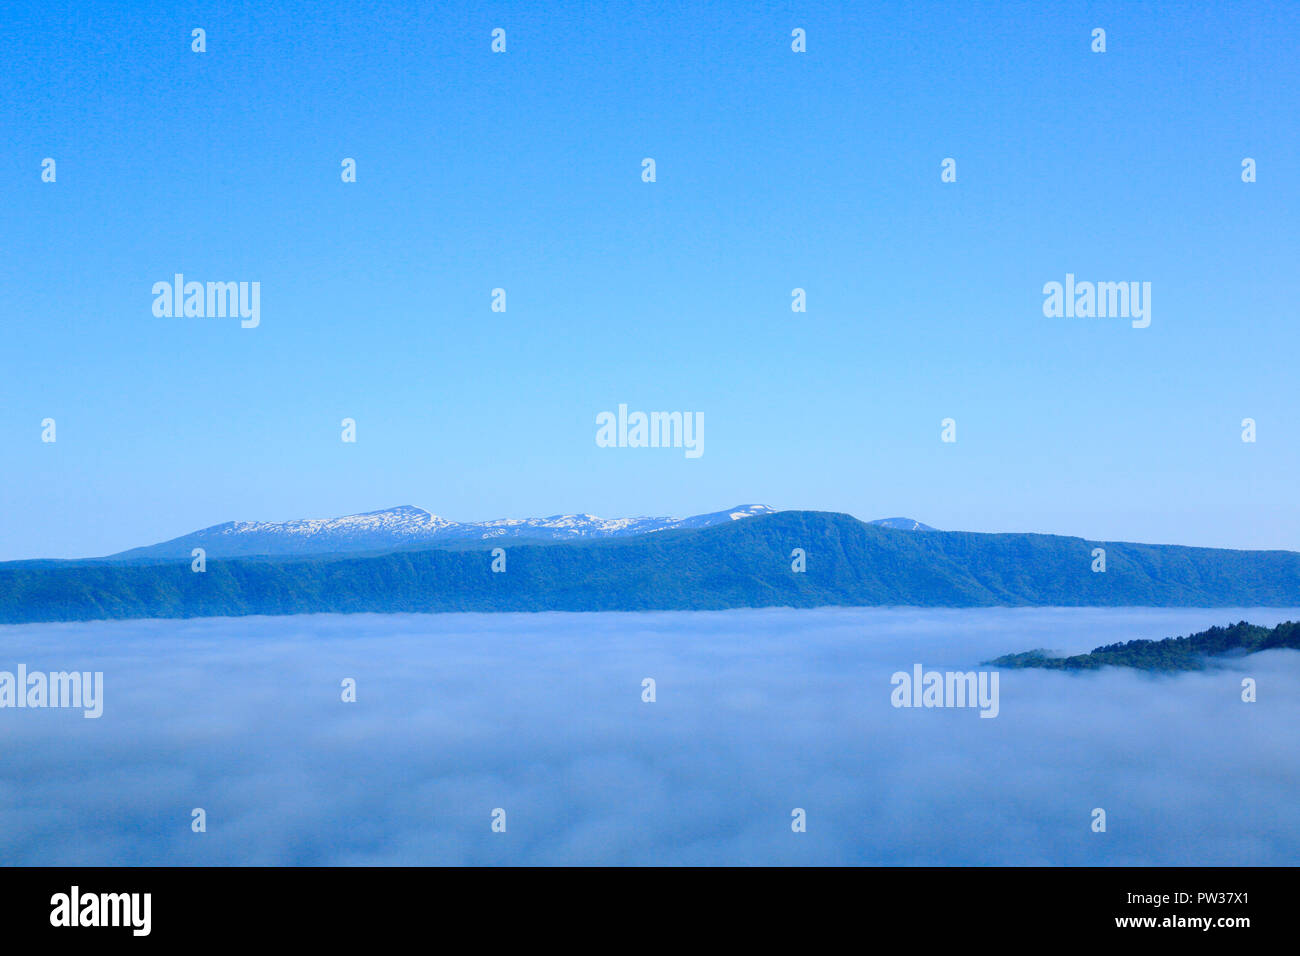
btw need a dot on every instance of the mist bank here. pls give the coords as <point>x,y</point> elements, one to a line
<point>757,712</point>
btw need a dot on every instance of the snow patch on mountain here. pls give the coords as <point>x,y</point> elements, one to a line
<point>407,525</point>
<point>901,524</point>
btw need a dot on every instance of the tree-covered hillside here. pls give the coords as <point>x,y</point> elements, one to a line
<point>740,564</point>
<point>1171,654</point>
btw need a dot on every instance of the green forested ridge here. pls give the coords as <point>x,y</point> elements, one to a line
<point>1171,654</point>
<point>741,564</point>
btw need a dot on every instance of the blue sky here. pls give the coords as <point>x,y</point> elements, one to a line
<point>775,170</point>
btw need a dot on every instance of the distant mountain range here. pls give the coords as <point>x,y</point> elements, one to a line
<point>726,564</point>
<point>408,527</point>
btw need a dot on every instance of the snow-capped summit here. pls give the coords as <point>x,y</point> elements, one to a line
<point>901,524</point>
<point>406,526</point>
<point>404,520</point>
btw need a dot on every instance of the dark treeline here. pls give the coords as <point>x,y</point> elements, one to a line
<point>1172,653</point>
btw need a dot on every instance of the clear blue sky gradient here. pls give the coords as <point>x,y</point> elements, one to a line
<point>775,170</point>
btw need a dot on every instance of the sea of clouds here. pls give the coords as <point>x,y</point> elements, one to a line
<point>757,712</point>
